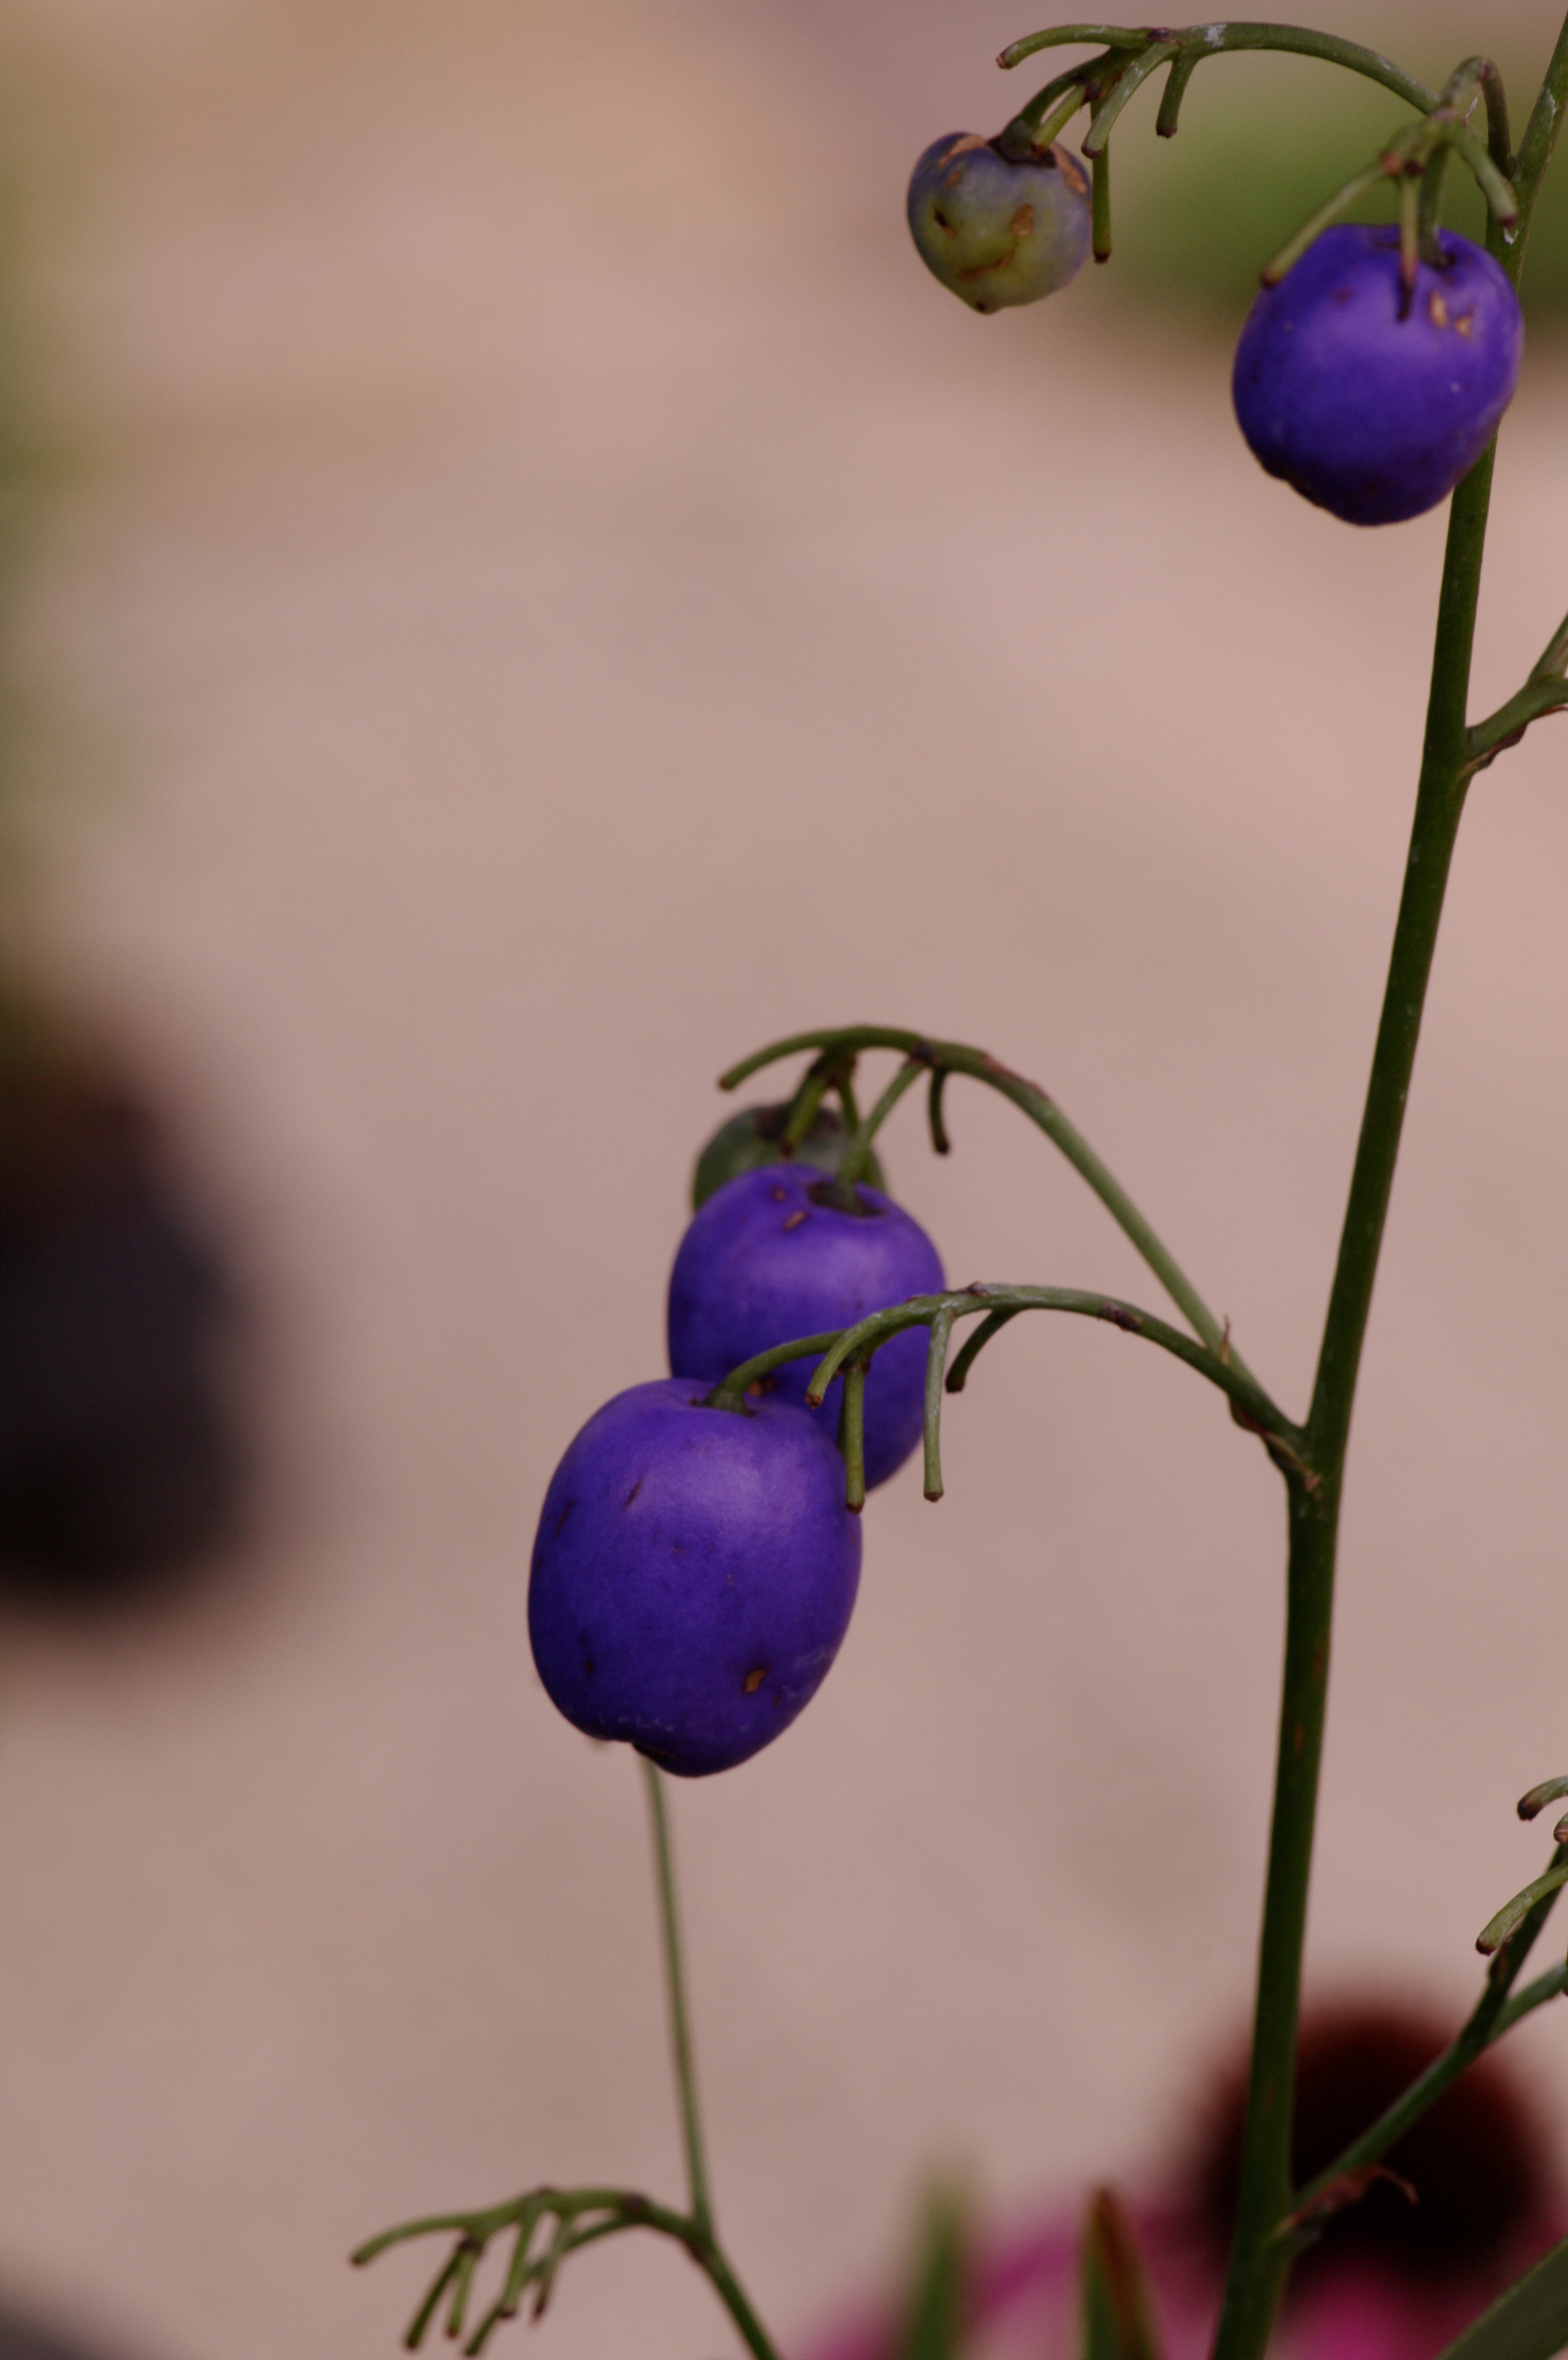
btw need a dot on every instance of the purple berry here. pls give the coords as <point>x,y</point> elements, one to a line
<point>1372,408</point>
<point>771,1257</point>
<point>694,1574</point>
<point>995,230</point>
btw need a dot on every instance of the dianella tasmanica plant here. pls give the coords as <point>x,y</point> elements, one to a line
<point>699,1547</point>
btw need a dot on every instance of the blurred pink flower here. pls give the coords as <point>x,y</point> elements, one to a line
<point>1385,2282</point>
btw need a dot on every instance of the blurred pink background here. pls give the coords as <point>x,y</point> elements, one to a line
<point>546,596</point>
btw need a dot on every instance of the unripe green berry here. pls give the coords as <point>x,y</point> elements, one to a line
<point>997,230</point>
<point>755,1136</point>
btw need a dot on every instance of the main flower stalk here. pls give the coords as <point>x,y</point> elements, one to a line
<point>1263,2246</point>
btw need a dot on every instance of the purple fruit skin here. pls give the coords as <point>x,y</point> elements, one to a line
<point>681,1552</point>
<point>763,1262</point>
<point>1369,415</point>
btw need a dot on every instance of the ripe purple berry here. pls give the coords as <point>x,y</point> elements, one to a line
<point>1369,405</point>
<point>995,230</point>
<point>771,1257</point>
<point>694,1574</point>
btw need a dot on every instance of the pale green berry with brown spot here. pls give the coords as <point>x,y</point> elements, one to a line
<point>996,230</point>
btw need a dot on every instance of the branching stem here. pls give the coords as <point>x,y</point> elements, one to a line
<point>856,1345</point>
<point>1260,2258</point>
<point>1495,2013</point>
<point>956,1057</point>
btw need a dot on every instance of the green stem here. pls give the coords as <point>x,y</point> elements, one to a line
<point>727,2286</point>
<point>680,2026</point>
<point>1494,2014</point>
<point>1213,40</point>
<point>857,1154</point>
<point>957,1058</point>
<point>1260,2259</point>
<point>831,1349</point>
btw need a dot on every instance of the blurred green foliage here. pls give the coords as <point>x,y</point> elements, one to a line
<point>932,2313</point>
<point>1262,142</point>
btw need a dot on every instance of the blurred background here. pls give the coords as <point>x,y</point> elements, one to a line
<point>517,589</point>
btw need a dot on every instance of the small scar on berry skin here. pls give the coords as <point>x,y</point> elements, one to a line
<point>561,1519</point>
<point>1023,221</point>
<point>778,1194</point>
<point>1073,173</point>
<point>753,1679</point>
<point>635,1489</point>
<point>1437,310</point>
<point>941,218</point>
<point>587,1667</point>
<point>794,1221</point>
<point>965,145</point>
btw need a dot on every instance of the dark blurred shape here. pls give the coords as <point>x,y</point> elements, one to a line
<point>23,2339</point>
<point>120,1459</point>
<point>754,1138</point>
<point>1478,2160</point>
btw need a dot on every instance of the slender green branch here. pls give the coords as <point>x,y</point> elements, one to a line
<point>852,1435</point>
<point>1099,206</point>
<point>1199,41</point>
<point>1064,37</point>
<point>581,2216</point>
<point>1289,254</point>
<point>858,1344</point>
<point>1184,65</point>
<point>575,2217</point>
<point>1512,1915</point>
<point>1494,2014</point>
<point>1550,1790</point>
<point>1553,658</point>
<point>1127,82</point>
<point>1504,727</point>
<point>936,1370</point>
<point>956,1057</point>
<point>1536,145</point>
<point>858,1153</point>
<point>815,1084</point>
<point>941,1143</point>
<point>676,1985</point>
<point>989,1327</point>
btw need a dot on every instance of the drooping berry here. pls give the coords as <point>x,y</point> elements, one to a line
<point>1371,405</point>
<point>998,229</point>
<point>771,1257</point>
<point>755,1136</point>
<point>694,1574</point>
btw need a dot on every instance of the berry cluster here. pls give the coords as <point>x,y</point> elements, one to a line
<point>1371,375</point>
<point>696,1563</point>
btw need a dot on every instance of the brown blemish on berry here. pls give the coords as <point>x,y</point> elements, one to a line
<point>635,1489</point>
<point>794,1221</point>
<point>1023,221</point>
<point>1464,324</point>
<point>759,1386</point>
<point>964,144</point>
<point>941,218</point>
<point>753,1680</point>
<point>1437,310</point>
<point>1071,170</point>
<point>777,1195</point>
